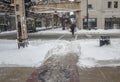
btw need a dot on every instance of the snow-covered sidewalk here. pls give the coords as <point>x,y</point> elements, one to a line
<point>90,56</point>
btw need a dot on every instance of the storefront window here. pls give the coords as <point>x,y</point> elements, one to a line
<point>111,23</point>
<point>92,23</point>
<point>2,20</point>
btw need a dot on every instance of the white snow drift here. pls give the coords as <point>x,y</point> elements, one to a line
<point>90,54</point>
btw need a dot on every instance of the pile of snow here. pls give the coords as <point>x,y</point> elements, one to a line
<point>8,32</point>
<point>60,31</point>
<point>98,31</point>
<point>63,52</point>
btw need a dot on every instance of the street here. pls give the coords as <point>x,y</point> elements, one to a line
<point>66,68</point>
<point>59,41</point>
<point>57,33</point>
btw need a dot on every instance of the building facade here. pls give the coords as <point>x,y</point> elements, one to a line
<point>102,14</point>
<point>7,18</point>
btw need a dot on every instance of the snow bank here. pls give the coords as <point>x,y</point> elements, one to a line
<point>63,52</point>
<point>8,32</point>
<point>98,31</point>
<point>60,31</point>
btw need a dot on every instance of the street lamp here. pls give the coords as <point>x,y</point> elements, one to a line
<point>87,12</point>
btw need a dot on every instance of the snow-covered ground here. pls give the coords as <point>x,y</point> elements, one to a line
<point>90,54</point>
<point>8,32</point>
<point>60,31</point>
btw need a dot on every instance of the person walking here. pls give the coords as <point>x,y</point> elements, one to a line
<point>72,27</point>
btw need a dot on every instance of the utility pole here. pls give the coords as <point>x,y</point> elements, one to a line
<point>22,37</point>
<point>87,15</point>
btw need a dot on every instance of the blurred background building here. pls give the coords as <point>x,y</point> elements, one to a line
<point>102,14</point>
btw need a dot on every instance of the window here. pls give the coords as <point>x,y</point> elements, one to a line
<point>17,7</point>
<point>109,4</point>
<point>12,1</point>
<point>18,17</point>
<point>90,6</point>
<point>2,20</point>
<point>115,4</point>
